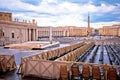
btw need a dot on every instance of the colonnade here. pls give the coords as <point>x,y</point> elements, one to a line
<point>32,34</point>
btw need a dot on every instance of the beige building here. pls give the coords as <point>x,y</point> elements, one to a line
<point>74,31</point>
<point>5,16</point>
<point>56,31</point>
<point>119,32</point>
<point>62,31</point>
<point>113,30</point>
<point>14,31</point>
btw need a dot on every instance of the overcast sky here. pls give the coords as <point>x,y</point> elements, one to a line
<point>65,12</point>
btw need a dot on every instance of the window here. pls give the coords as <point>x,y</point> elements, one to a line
<point>13,35</point>
<point>9,16</point>
<point>3,33</point>
<point>0,14</point>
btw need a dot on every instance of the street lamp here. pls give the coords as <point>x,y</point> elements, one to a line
<point>50,36</point>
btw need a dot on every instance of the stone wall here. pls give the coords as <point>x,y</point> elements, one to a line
<point>16,32</point>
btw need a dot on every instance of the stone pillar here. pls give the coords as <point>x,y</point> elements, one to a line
<point>26,35</point>
<point>36,34</point>
<point>32,34</point>
<point>29,34</point>
<point>67,32</point>
<point>64,33</point>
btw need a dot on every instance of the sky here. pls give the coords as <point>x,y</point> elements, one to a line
<point>64,12</point>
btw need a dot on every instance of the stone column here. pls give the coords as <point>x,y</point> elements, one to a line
<point>34,34</point>
<point>29,34</point>
<point>26,35</point>
<point>37,34</point>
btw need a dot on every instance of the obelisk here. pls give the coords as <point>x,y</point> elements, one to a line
<point>88,29</point>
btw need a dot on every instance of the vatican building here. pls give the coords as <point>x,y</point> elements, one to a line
<point>14,31</point>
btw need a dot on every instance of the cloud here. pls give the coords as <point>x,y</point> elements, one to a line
<point>59,12</point>
<point>16,5</point>
<point>106,8</point>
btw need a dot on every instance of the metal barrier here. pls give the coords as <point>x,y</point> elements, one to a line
<point>7,62</point>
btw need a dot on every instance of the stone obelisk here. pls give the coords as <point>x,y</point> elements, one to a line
<point>88,29</point>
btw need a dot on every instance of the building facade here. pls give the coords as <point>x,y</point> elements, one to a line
<point>14,31</point>
<point>5,16</point>
<point>62,31</point>
<point>113,30</point>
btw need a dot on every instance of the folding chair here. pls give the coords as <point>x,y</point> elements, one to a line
<point>63,72</point>
<point>112,74</point>
<point>86,71</point>
<point>75,72</point>
<point>96,73</point>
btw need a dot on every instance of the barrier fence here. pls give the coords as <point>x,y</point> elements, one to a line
<point>73,55</point>
<point>51,54</point>
<point>51,69</point>
<point>40,65</point>
<point>44,69</point>
<point>54,53</point>
<point>106,42</point>
<point>7,62</point>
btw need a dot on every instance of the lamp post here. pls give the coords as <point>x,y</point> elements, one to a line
<point>50,36</point>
